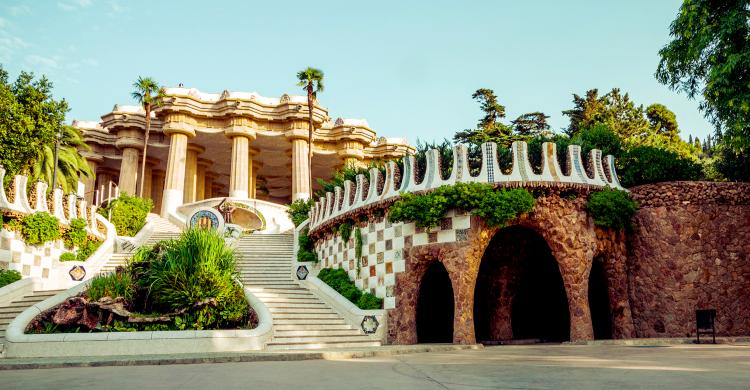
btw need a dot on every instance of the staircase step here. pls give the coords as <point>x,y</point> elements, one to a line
<point>324,323</point>
<point>282,339</point>
<point>302,316</point>
<point>294,346</point>
<point>283,311</point>
<point>331,327</point>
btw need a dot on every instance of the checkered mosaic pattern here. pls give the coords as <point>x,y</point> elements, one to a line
<point>29,260</point>
<point>383,246</point>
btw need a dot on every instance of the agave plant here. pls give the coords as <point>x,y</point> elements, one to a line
<point>71,166</point>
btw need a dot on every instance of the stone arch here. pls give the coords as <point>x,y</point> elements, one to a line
<point>435,306</point>
<point>456,258</point>
<point>519,293</point>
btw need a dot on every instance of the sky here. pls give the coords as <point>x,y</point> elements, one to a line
<point>408,67</point>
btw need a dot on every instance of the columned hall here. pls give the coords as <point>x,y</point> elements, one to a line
<point>236,144</point>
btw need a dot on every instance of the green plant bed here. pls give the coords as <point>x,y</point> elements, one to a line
<point>39,228</point>
<point>182,284</point>
<point>8,276</point>
<point>338,279</point>
<point>496,207</point>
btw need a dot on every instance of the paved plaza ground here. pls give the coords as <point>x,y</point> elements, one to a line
<point>503,367</point>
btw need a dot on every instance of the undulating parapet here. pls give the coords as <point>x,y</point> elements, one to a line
<point>375,188</point>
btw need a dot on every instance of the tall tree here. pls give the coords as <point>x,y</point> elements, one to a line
<point>662,120</point>
<point>147,93</point>
<point>614,109</point>
<point>311,80</point>
<point>493,111</point>
<point>489,129</point>
<point>30,119</point>
<point>531,124</point>
<point>709,55</point>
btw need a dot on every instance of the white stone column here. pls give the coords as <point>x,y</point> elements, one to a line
<point>174,183</point>
<point>238,180</point>
<point>129,170</point>
<point>191,173</point>
<point>157,188</point>
<point>148,179</point>
<point>200,189</point>
<point>300,170</point>
<point>89,183</point>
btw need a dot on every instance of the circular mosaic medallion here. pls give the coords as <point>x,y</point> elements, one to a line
<point>206,218</point>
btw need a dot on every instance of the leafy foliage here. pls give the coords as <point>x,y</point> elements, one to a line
<point>39,228</point>
<point>647,164</point>
<point>68,256</point>
<point>127,213</point>
<point>75,235</point>
<point>299,210</point>
<point>8,276</point>
<point>348,172</point>
<point>30,120</point>
<point>179,274</point>
<point>306,250</point>
<point>709,55</point>
<point>611,208</point>
<point>338,279</point>
<point>345,230</point>
<point>495,206</point>
<point>71,165</point>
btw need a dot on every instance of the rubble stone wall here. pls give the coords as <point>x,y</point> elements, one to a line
<point>690,249</point>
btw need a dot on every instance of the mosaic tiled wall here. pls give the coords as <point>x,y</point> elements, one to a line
<point>383,246</point>
<point>29,260</point>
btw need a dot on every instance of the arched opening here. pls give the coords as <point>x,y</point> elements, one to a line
<point>519,293</point>
<point>435,306</point>
<point>601,315</point>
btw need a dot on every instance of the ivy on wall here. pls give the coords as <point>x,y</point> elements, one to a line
<point>306,251</point>
<point>497,207</point>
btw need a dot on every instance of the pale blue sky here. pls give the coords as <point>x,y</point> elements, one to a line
<point>409,68</point>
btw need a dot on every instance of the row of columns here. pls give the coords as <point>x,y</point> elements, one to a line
<point>187,178</point>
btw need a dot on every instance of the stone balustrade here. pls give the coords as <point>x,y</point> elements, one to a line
<point>63,206</point>
<point>376,188</point>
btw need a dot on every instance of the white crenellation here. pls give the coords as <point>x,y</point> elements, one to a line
<point>365,190</point>
<point>57,203</point>
<point>72,209</point>
<point>41,196</point>
<point>22,199</point>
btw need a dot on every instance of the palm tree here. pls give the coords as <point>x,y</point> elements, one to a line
<point>71,165</point>
<point>148,94</point>
<point>311,80</point>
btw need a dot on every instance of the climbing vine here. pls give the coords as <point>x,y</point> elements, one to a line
<point>345,230</point>
<point>496,206</point>
<point>306,251</point>
<point>611,208</point>
<point>358,249</point>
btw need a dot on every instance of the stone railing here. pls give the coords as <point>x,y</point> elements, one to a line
<point>377,188</point>
<point>64,207</point>
<point>43,261</point>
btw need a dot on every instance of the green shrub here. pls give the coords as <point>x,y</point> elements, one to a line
<point>345,230</point>
<point>39,228</point>
<point>87,249</point>
<point>369,302</point>
<point>306,251</point>
<point>113,285</point>
<point>68,256</point>
<point>495,206</point>
<point>8,276</point>
<point>611,208</point>
<point>338,279</point>
<point>180,274</point>
<point>647,164</point>
<point>299,210</point>
<point>75,235</point>
<point>127,213</point>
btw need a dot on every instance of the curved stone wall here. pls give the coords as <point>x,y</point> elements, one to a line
<point>690,249</point>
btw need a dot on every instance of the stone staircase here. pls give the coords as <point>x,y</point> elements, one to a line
<point>162,230</point>
<point>13,309</point>
<point>301,320</point>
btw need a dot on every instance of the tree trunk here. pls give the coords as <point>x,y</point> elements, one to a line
<point>147,107</point>
<point>311,129</point>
